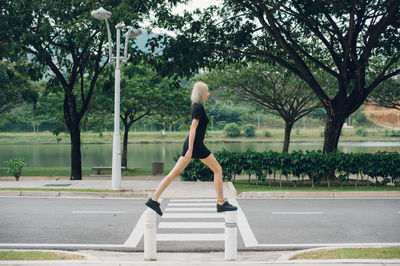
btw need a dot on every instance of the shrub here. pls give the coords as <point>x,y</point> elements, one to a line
<point>232,130</point>
<point>267,134</point>
<point>249,130</point>
<point>361,132</point>
<point>15,167</point>
<point>395,133</point>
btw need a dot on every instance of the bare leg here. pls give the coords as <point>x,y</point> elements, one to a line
<point>176,171</point>
<point>213,164</point>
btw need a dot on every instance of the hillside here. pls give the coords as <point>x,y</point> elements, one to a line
<point>383,116</point>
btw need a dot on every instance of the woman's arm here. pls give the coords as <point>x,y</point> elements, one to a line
<point>192,134</point>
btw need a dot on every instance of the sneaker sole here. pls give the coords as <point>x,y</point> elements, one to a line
<point>151,207</point>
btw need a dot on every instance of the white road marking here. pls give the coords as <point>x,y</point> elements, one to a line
<point>193,215</point>
<point>297,213</point>
<point>193,200</point>
<point>194,209</point>
<point>98,212</point>
<point>190,237</point>
<point>191,225</point>
<point>247,234</point>
<point>137,232</point>
<point>192,204</point>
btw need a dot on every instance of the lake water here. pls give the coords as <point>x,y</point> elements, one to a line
<point>141,155</point>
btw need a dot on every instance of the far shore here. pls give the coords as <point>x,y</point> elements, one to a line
<point>155,137</point>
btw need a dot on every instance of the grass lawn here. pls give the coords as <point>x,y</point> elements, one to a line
<point>66,189</point>
<point>38,255</point>
<point>66,171</point>
<point>243,186</point>
<point>351,253</point>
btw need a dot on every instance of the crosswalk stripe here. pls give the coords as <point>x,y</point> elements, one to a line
<point>190,237</point>
<point>194,209</point>
<point>297,213</point>
<point>193,215</point>
<point>192,200</point>
<point>191,204</point>
<point>191,225</point>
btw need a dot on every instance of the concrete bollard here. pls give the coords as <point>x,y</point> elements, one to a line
<point>231,235</point>
<point>150,235</point>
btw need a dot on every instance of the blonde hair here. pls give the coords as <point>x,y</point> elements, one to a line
<point>199,93</point>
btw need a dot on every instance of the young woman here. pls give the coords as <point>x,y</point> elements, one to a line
<point>194,148</point>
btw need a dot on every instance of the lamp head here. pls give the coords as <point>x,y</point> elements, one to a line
<point>101,14</point>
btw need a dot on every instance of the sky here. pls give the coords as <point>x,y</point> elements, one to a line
<point>192,5</point>
<point>180,8</point>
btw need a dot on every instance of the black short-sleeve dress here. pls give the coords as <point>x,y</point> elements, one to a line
<point>200,151</point>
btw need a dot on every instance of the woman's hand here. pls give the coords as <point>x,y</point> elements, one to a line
<point>188,155</point>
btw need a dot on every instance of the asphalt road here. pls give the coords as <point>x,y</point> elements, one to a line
<point>266,224</point>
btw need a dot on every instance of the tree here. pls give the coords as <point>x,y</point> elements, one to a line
<point>15,87</point>
<point>144,93</point>
<point>387,94</point>
<point>62,37</point>
<point>338,37</point>
<point>274,89</point>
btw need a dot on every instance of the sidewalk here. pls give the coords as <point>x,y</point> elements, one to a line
<point>105,258</point>
<point>138,187</point>
<point>144,186</point>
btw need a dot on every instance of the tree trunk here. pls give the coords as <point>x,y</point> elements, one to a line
<point>333,128</point>
<point>124,159</point>
<point>76,157</point>
<point>72,120</point>
<point>288,130</point>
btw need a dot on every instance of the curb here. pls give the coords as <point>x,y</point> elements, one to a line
<point>61,194</point>
<point>319,194</point>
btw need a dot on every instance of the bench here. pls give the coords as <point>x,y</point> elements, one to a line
<point>99,169</point>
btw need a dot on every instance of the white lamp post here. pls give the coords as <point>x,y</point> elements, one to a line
<point>103,14</point>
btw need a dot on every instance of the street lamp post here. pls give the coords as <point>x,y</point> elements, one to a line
<point>103,14</point>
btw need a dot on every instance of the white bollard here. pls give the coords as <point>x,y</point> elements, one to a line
<point>231,235</point>
<point>150,235</point>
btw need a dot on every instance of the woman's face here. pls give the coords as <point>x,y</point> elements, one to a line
<point>207,94</point>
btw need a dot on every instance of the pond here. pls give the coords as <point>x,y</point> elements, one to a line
<point>141,155</point>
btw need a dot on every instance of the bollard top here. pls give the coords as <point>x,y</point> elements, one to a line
<point>149,216</point>
<point>231,216</point>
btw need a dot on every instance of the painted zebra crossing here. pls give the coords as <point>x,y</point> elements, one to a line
<point>189,220</point>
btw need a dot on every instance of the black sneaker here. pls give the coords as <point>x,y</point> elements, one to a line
<point>226,207</point>
<point>154,205</point>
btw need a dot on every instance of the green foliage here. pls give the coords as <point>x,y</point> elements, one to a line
<point>232,130</point>
<point>315,39</point>
<point>249,130</point>
<point>387,94</point>
<point>15,87</point>
<point>361,132</point>
<point>15,167</point>
<point>267,134</point>
<point>381,166</point>
<point>395,133</point>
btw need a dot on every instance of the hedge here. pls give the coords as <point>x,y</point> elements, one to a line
<point>384,167</point>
